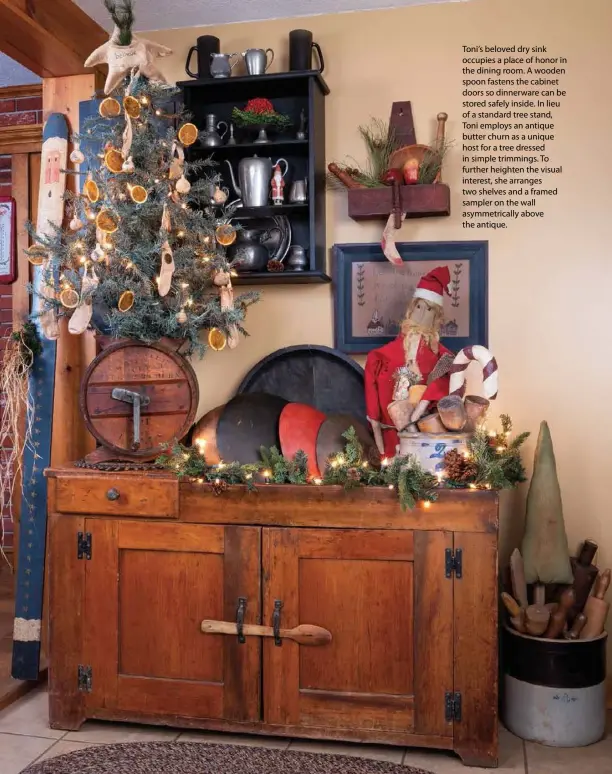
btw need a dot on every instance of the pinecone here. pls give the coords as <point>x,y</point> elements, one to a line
<point>276,266</point>
<point>353,474</point>
<point>459,468</point>
<point>219,486</point>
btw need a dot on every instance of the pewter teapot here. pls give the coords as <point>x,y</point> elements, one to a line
<point>254,174</point>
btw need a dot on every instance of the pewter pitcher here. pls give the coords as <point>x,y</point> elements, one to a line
<point>256,60</point>
<point>254,175</point>
<point>213,138</point>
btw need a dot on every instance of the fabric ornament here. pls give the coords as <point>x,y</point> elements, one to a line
<point>223,281</point>
<point>140,55</point>
<point>167,269</point>
<point>48,317</point>
<point>389,238</point>
<point>77,156</point>
<point>81,316</point>
<point>178,162</point>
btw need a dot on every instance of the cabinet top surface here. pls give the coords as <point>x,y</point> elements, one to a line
<point>159,494</point>
<point>236,80</point>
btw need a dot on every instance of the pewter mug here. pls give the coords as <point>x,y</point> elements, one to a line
<point>221,65</point>
<point>298,193</point>
<point>256,60</point>
<point>212,138</point>
<point>297,259</point>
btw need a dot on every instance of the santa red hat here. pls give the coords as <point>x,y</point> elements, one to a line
<point>432,286</point>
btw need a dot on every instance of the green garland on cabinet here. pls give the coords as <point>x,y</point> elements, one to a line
<point>492,462</point>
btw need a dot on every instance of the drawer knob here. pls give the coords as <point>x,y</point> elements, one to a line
<point>112,494</point>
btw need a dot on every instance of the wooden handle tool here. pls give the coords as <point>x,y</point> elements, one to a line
<point>559,617</point>
<point>304,634</point>
<point>512,606</point>
<point>518,621</point>
<point>596,608</point>
<point>577,627</point>
<point>537,618</point>
<point>344,177</point>
<point>442,119</point>
<point>517,613</point>
<point>519,585</point>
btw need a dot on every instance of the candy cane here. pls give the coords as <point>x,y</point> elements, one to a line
<point>489,371</point>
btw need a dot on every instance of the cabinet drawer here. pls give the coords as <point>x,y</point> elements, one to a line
<point>117,496</point>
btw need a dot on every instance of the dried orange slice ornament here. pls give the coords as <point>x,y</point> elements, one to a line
<point>126,301</point>
<point>225,234</point>
<point>216,339</point>
<point>138,194</point>
<point>131,106</point>
<point>106,221</point>
<point>69,298</point>
<point>114,160</point>
<point>109,108</point>
<point>37,254</point>
<point>188,134</point>
<point>91,190</point>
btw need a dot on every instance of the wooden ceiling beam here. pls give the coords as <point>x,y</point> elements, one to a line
<point>51,39</point>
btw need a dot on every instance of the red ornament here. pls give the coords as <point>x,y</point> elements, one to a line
<point>392,176</point>
<point>259,105</point>
<point>411,172</point>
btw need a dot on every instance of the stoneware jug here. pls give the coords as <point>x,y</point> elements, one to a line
<point>221,65</point>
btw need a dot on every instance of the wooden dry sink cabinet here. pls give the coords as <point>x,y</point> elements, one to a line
<point>136,561</point>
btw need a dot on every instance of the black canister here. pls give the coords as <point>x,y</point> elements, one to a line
<point>206,45</point>
<point>300,51</point>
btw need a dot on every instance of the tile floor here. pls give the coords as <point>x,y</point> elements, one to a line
<point>25,737</point>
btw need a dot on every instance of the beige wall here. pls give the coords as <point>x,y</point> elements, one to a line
<point>550,282</point>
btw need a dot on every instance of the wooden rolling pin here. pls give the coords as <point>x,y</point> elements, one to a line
<point>344,177</point>
<point>304,634</point>
<point>559,617</point>
<point>517,613</point>
<point>577,627</point>
<point>596,608</point>
<point>519,586</point>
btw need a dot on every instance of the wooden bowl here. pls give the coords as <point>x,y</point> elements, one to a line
<point>298,428</point>
<point>399,157</point>
<point>206,430</point>
<point>452,412</point>
<point>431,424</point>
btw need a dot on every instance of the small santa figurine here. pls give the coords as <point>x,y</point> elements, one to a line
<point>405,377</point>
<point>278,184</point>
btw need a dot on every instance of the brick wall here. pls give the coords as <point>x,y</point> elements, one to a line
<point>14,111</point>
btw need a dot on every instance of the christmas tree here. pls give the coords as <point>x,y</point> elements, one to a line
<point>144,254</point>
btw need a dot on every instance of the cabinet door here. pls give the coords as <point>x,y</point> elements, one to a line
<point>384,597</point>
<point>148,588</point>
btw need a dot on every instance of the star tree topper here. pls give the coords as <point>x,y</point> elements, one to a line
<point>140,54</point>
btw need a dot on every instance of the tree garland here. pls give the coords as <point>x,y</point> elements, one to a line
<point>493,460</point>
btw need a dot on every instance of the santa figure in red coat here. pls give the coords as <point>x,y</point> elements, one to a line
<point>405,377</point>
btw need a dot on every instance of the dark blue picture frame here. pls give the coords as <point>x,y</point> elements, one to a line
<point>345,255</point>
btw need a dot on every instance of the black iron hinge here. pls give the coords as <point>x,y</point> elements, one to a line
<point>452,707</point>
<point>454,563</point>
<point>83,545</point>
<point>84,678</point>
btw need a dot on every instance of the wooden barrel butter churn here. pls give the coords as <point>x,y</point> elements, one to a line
<point>136,398</point>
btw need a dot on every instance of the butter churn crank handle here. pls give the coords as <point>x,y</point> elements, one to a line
<point>137,400</point>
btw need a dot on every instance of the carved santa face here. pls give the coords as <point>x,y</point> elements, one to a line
<point>423,313</point>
